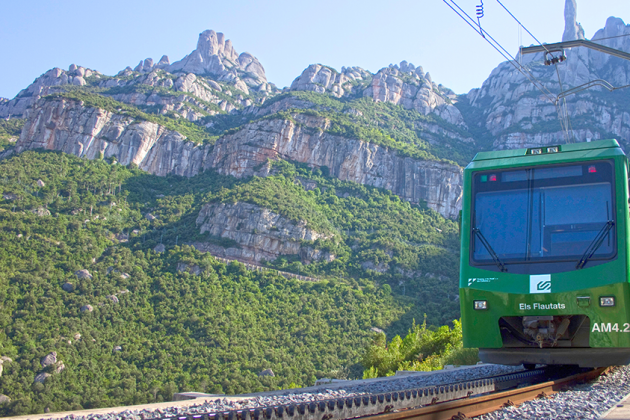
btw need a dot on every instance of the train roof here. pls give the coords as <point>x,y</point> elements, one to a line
<point>569,147</point>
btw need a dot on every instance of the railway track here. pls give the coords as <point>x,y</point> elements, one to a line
<point>460,400</point>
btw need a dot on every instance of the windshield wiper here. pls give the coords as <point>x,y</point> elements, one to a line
<point>493,254</point>
<point>595,244</point>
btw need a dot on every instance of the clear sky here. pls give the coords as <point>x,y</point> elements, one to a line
<point>285,35</point>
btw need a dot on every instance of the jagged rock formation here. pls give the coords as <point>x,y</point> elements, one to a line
<point>68,126</point>
<point>572,29</point>
<point>323,79</point>
<point>260,233</point>
<point>215,56</point>
<point>516,114</point>
<point>403,84</point>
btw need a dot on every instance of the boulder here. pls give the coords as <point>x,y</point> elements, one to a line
<point>68,287</point>
<point>60,367</point>
<point>83,274</point>
<point>41,377</point>
<point>188,268</point>
<point>49,359</point>
<point>4,399</point>
<point>113,298</point>
<point>9,196</point>
<point>40,183</point>
<point>77,336</point>
<point>117,349</point>
<point>159,248</point>
<point>150,217</point>
<point>41,212</point>
<point>87,308</point>
<point>266,372</point>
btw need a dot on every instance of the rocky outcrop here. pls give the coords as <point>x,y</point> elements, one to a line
<point>83,274</point>
<point>260,233</point>
<point>323,79</point>
<point>412,89</point>
<point>404,84</point>
<point>305,140</point>
<point>572,29</point>
<point>49,359</point>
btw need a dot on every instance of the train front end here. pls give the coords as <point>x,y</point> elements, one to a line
<point>544,256</point>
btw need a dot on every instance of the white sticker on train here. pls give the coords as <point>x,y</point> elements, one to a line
<point>540,283</point>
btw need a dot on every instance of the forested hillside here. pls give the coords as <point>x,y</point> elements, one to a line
<point>214,331</point>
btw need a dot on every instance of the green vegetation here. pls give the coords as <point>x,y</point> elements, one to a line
<point>10,129</point>
<point>423,349</point>
<point>216,331</point>
<point>177,331</point>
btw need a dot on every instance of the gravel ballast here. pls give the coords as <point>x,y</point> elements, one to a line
<point>586,401</point>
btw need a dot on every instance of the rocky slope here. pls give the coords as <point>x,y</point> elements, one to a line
<point>213,74</point>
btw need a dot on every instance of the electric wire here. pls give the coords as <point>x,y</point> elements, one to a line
<point>563,114</point>
<point>501,50</point>
<point>562,110</point>
<point>522,26</point>
<point>610,37</point>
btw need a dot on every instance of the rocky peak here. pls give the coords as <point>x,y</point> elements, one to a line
<point>216,56</point>
<point>572,29</point>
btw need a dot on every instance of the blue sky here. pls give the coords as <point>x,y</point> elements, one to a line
<point>286,36</point>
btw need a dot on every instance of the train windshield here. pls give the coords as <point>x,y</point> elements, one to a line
<point>544,214</point>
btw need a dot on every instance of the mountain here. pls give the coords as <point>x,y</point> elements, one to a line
<point>334,198</point>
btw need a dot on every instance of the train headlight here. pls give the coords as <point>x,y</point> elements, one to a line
<point>607,301</point>
<point>481,305</point>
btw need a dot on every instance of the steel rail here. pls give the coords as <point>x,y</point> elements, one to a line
<point>476,406</point>
<point>367,405</point>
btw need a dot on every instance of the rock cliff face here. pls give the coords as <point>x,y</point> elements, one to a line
<point>68,126</point>
<point>306,140</point>
<point>412,89</point>
<point>260,233</point>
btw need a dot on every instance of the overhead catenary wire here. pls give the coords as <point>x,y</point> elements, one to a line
<point>563,112</point>
<point>501,50</point>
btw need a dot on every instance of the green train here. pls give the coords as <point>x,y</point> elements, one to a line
<point>545,255</point>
